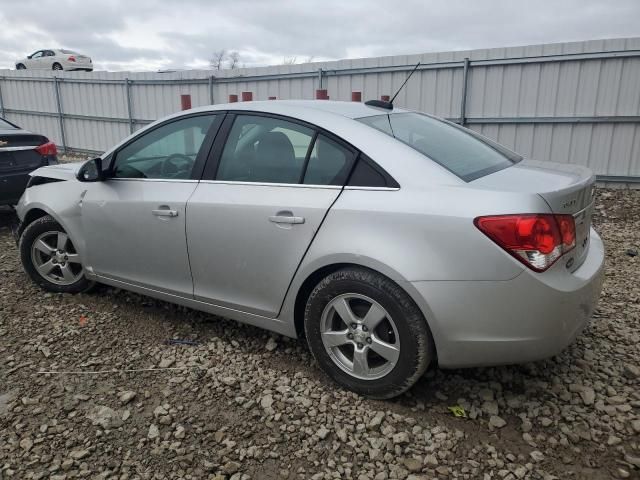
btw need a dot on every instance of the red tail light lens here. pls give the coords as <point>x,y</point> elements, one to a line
<point>71,58</point>
<point>537,240</point>
<point>567,226</point>
<point>47,149</point>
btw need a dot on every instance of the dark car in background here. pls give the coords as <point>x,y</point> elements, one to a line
<point>21,152</point>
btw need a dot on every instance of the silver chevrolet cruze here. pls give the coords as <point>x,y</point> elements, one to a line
<point>389,239</point>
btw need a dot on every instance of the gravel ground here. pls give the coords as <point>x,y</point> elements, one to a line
<point>240,403</point>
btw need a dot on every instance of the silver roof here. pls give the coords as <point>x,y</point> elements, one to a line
<point>290,107</point>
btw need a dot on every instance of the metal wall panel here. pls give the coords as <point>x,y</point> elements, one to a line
<point>575,102</point>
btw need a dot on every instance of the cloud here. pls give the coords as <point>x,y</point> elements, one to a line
<point>152,34</point>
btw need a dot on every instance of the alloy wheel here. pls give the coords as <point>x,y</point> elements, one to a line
<point>55,258</point>
<point>360,336</point>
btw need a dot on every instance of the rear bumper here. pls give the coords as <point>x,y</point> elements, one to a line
<point>530,317</point>
<point>77,66</point>
<point>12,186</point>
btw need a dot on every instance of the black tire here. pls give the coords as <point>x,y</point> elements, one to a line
<point>56,66</point>
<point>20,66</point>
<point>416,344</point>
<point>29,235</point>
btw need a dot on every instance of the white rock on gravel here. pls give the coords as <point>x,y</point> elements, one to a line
<point>496,421</point>
<point>266,401</point>
<point>588,395</point>
<point>127,396</point>
<point>79,454</point>
<point>229,381</point>
<point>26,444</point>
<point>401,438</point>
<point>271,345</point>
<point>376,421</point>
<point>104,416</point>
<point>167,362</point>
<point>536,456</point>
<point>154,432</point>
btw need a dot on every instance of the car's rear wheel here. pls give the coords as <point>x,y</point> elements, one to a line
<point>366,333</point>
<point>20,66</point>
<point>56,66</point>
<point>50,258</point>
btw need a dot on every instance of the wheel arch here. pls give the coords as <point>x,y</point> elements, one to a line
<point>312,276</point>
<point>38,210</point>
<point>31,216</point>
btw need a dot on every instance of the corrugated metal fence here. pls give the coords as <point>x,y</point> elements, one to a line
<point>571,102</point>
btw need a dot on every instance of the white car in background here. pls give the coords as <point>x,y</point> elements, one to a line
<point>55,59</point>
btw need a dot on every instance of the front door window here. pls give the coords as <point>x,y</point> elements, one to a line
<point>166,152</point>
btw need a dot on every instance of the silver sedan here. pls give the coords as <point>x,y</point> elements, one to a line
<point>389,239</point>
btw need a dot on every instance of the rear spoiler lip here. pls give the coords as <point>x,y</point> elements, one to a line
<point>18,149</point>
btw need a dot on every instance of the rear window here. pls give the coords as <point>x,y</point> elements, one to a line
<point>67,52</point>
<point>4,125</point>
<point>461,151</point>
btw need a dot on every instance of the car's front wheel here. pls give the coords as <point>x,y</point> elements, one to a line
<point>50,258</point>
<point>367,333</point>
<point>56,66</point>
<point>20,66</point>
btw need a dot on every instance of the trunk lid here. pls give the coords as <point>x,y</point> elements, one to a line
<point>567,189</point>
<point>17,151</point>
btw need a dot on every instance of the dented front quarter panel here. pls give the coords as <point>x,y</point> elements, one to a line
<point>61,200</point>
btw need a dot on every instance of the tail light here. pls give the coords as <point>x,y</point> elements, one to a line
<point>537,240</point>
<point>71,58</point>
<point>47,149</point>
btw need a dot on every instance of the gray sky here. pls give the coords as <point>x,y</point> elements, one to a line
<point>154,34</point>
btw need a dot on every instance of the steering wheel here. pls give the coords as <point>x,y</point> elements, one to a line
<point>175,164</point>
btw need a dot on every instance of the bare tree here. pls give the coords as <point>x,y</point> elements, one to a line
<point>233,60</point>
<point>217,60</point>
<point>289,60</point>
<point>309,59</point>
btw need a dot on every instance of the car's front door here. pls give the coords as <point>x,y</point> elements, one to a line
<point>265,193</point>
<point>34,61</point>
<point>134,221</point>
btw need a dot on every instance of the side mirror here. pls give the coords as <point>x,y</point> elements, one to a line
<point>91,171</point>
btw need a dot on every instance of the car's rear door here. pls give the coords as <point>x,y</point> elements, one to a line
<point>268,185</point>
<point>47,60</point>
<point>134,221</point>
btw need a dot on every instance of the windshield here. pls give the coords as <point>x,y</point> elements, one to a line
<point>4,125</point>
<point>461,151</point>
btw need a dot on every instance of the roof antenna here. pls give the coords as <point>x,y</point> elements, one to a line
<point>389,105</point>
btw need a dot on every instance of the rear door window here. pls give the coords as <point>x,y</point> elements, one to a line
<point>265,150</point>
<point>461,151</point>
<point>328,164</point>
